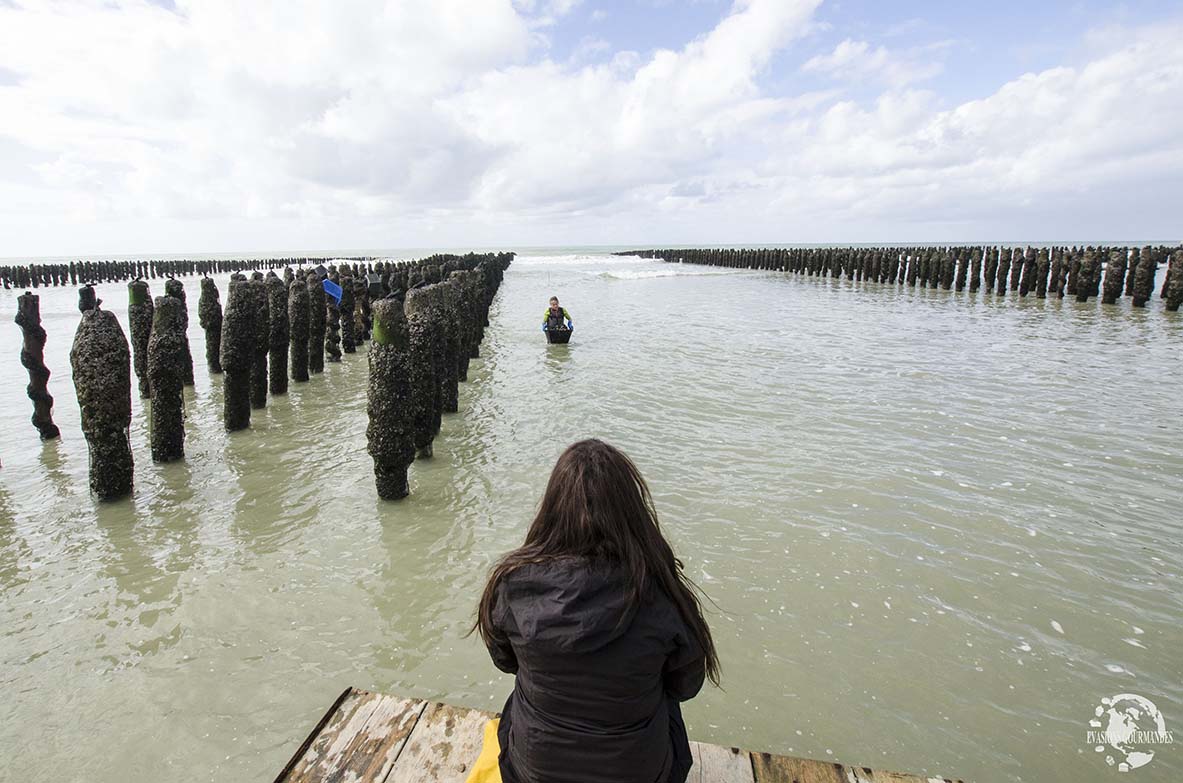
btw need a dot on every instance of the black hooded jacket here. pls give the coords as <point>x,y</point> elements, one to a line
<point>598,684</point>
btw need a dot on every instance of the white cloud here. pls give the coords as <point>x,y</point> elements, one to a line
<point>292,124</point>
<point>858,61</point>
<point>546,13</point>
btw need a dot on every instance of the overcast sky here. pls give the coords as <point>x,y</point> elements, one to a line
<point>222,125</point>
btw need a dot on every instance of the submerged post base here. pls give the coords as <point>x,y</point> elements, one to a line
<point>391,482</point>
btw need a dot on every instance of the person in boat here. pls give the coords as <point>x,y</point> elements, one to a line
<point>555,315</point>
<point>603,630</point>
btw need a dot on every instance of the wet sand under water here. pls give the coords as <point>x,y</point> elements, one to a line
<point>938,529</point>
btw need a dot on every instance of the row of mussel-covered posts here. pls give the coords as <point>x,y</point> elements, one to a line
<point>424,319</point>
<point>1080,272</point>
<point>42,275</point>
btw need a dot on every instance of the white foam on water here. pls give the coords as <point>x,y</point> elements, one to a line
<point>577,259</point>
<point>674,270</point>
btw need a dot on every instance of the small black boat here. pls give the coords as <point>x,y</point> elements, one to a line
<point>558,336</point>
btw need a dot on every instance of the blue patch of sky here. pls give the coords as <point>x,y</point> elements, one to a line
<point>9,78</point>
<point>979,46</point>
<point>641,26</point>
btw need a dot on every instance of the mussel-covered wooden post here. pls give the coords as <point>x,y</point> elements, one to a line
<point>238,339</point>
<point>476,293</point>
<point>1042,265</point>
<point>101,361</point>
<point>316,323</point>
<point>298,328</point>
<point>1144,280</point>
<point>1071,271</point>
<point>390,433</point>
<point>448,310</point>
<point>989,269</point>
<point>262,342</point>
<point>176,289</point>
<point>139,323</point>
<point>28,318</point>
<point>1132,271</point>
<point>277,314</point>
<point>1027,272</point>
<point>88,299</point>
<point>209,315</point>
<point>1114,276</point>
<point>975,270</point>
<point>962,271</point>
<point>333,328</point>
<point>424,385</point>
<point>166,372</point>
<point>463,322</point>
<point>1084,278</point>
<point>348,335</point>
<point>1175,281</point>
<point>1016,270</point>
<point>1056,284</point>
<point>1003,269</point>
<point>362,315</point>
<point>439,349</point>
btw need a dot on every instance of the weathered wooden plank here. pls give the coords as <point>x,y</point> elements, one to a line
<point>442,747</point>
<point>372,753</point>
<point>785,769</point>
<point>360,742</point>
<point>716,764</point>
<point>314,748</point>
<point>878,776</point>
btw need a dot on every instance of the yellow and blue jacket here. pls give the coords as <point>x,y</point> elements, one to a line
<point>564,316</point>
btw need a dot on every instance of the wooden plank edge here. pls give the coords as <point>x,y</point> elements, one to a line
<point>423,704</point>
<point>842,771</point>
<point>304,746</point>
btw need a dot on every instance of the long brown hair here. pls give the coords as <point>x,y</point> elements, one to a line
<point>597,506</point>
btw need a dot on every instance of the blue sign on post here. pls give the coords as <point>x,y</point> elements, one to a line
<point>332,289</point>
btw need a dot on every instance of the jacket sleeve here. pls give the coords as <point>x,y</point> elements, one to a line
<point>685,668</point>
<point>501,651</point>
<point>500,648</point>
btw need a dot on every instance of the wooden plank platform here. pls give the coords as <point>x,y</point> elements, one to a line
<point>370,737</point>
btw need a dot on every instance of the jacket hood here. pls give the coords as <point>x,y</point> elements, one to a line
<point>571,604</point>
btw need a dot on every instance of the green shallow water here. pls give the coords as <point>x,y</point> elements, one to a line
<point>937,528</point>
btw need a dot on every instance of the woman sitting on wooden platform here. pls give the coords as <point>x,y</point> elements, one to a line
<point>604,631</point>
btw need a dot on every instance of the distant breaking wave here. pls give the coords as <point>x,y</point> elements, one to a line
<point>578,260</point>
<point>648,274</point>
